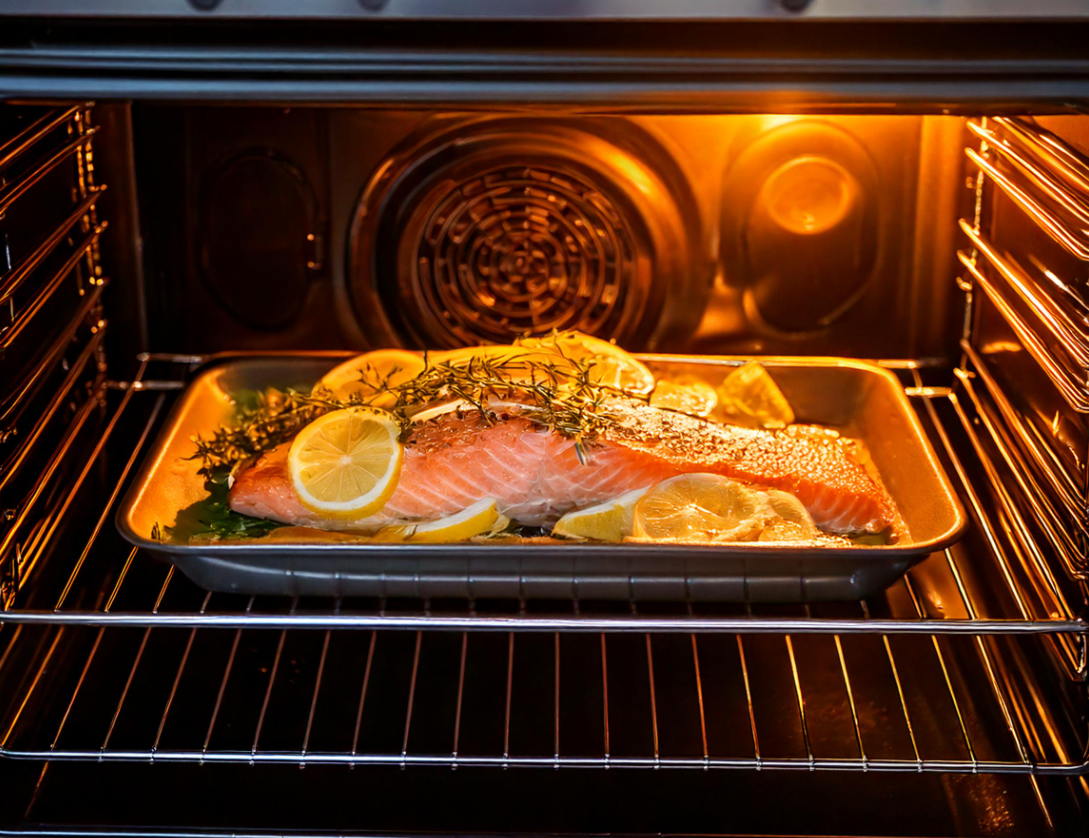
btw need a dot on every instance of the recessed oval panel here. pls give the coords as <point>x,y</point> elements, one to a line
<point>800,226</point>
<point>256,238</point>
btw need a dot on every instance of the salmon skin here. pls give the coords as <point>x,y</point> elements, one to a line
<point>536,475</point>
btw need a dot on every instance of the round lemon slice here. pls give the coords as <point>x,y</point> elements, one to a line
<point>609,364</point>
<point>699,507</point>
<point>608,521</point>
<point>367,374</point>
<point>477,519</point>
<point>749,396</point>
<point>789,519</point>
<point>517,364</point>
<point>692,397</point>
<point>345,464</point>
<point>492,352</point>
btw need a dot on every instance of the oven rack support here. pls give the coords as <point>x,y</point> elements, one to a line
<point>1046,180</point>
<point>51,338</point>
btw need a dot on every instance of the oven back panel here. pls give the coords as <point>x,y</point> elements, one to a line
<point>276,228</point>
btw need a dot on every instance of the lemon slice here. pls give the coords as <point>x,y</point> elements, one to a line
<point>462,356</point>
<point>609,364</point>
<point>787,507</point>
<point>700,507</point>
<point>517,364</point>
<point>345,464</point>
<point>694,397</point>
<point>608,521</point>
<point>367,374</point>
<point>789,519</point>
<point>749,396</point>
<point>480,518</point>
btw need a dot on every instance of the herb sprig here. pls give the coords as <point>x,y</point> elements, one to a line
<point>276,417</point>
<point>556,390</point>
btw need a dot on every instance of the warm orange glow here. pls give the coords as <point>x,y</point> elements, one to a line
<point>809,195</point>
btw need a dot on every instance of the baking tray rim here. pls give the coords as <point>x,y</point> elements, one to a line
<point>407,552</point>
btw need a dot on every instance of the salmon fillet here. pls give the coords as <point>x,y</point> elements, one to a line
<point>536,475</point>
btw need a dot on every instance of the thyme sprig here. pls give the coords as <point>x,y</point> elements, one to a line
<point>557,391</point>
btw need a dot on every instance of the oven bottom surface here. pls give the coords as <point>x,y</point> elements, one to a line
<point>169,799</point>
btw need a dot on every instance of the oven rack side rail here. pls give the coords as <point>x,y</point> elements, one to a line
<point>935,598</point>
<point>550,623</point>
<point>902,766</point>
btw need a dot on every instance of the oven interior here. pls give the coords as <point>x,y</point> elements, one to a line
<point>145,239</point>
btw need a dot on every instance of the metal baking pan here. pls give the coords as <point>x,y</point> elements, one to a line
<point>856,398</point>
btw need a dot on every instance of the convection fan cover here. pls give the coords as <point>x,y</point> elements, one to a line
<point>517,228</point>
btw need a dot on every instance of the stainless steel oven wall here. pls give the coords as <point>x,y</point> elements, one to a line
<point>332,228</point>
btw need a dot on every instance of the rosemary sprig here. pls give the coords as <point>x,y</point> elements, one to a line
<point>555,390</point>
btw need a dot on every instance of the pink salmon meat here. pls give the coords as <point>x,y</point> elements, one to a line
<point>536,475</point>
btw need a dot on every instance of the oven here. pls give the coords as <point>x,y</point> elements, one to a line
<point>183,183</point>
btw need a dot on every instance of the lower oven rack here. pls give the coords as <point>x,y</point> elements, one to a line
<point>109,656</point>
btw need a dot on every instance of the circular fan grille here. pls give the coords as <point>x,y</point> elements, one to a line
<point>516,249</point>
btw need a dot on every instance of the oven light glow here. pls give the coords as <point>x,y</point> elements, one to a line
<point>809,195</point>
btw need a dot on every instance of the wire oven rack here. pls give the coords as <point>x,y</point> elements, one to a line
<point>111,656</point>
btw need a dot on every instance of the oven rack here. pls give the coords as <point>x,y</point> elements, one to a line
<point>78,571</point>
<point>889,703</point>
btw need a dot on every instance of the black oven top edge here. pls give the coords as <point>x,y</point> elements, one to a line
<point>802,64</point>
<point>553,10</point>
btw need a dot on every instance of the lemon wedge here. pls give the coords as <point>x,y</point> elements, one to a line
<point>477,519</point>
<point>367,374</point>
<point>608,521</point>
<point>609,364</point>
<point>345,464</point>
<point>789,519</point>
<point>749,396</point>
<point>695,398</point>
<point>699,507</point>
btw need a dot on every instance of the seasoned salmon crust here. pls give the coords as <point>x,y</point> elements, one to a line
<point>536,474</point>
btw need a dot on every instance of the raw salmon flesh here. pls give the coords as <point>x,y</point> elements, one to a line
<point>536,475</point>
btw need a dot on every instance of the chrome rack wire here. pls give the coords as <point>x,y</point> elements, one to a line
<point>1010,588</point>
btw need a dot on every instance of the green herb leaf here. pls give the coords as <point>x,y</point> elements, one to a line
<point>213,515</point>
